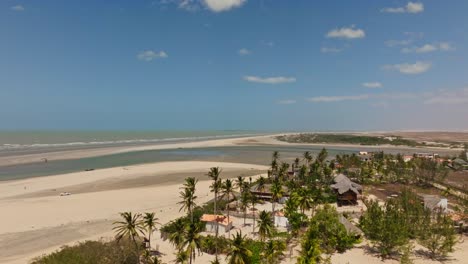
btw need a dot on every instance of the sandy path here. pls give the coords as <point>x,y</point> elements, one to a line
<point>41,224</point>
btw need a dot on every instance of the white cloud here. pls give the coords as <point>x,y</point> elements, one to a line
<point>223,5</point>
<point>330,99</point>
<point>17,8</point>
<point>445,97</point>
<point>270,80</point>
<point>372,85</point>
<point>330,50</point>
<point>286,102</point>
<point>443,46</point>
<point>244,52</point>
<point>150,55</point>
<point>346,32</point>
<point>411,7</point>
<point>411,37</point>
<point>212,5</point>
<point>407,68</point>
<point>416,7</point>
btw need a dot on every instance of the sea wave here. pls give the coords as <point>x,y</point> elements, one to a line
<point>116,142</point>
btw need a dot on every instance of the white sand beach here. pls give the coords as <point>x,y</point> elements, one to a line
<point>39,220</point>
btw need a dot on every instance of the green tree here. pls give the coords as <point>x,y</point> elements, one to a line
<point>385,227</point>
<point>276,190</point>
<point>322,156</point>
<point>266,226</point>
<point>310,251</point>
<point>188,196</point>
<point>130,227</point>
<point>273,251</point>
<point>176,237</point>
<point>439,235</point>
<point>149,222</point>
<point>228,190</point>
<point>307,157</point>
<point>304,199</point>
<point>192,240</point>
<point>326,226</point>
<point>215,187</point>
<point>238,251</point>
<point>188,201</point>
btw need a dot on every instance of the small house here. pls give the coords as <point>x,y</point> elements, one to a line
<point>434,202</point>
<point>213,221</point>
<point>347,191</point>
<point>280,219</point>
<point>350,227</point>
<point>264,193</point>
<point>459,164</point>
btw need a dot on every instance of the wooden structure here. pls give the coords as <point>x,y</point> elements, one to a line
<point>347,191</point>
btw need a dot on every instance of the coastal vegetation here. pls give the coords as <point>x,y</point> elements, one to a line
<point>348,139</point>
<point>390,227</point>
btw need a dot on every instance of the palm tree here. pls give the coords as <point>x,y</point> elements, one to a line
<point>240,183</point>
<point>253,201</point>
<point>273,251</point>
<point>129,227</point>
<point>265,225</point>
<point>304,199</point>
<point>228,190</point>
<point>188,201</point>
<point>308,157</point>
<point>149,222</point>
<point>245,198</point>
<point>275,155</point>
<point>215,188</point>
<point>177,237</point>
<point>190,183</point>
<point>322,156</point>
<point>182,257</point>
<point>296,163</point>
<point>216,185</point>
<point>276,193</point>
<point>238,251</point>
<point>261,182</point>
<point>192,240</point>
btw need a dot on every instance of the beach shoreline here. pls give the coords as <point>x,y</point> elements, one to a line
<point>263,140</point>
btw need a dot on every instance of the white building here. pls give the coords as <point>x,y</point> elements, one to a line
<point>281,220</point>
<point>213,221</point>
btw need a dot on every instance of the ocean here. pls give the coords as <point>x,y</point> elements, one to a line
<point>30,140</point>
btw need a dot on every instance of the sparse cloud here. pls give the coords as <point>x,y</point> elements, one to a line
<point>150,55</point>
<point>394,43</point>
<point>331,99</point>
<point>244,52</point>
<point>411,37</point>
<point>17,8</point>
<point>330,50</point>
<point>287,102</point>
<point>346,33</point>
<point>408,68</point>
<point>268,43</point>
<point>372,84</point>
<point>223,5</point>
<point>270,80</point>
<point>447,97</point>
<point>212,5</point>
<point>411,7</point>
<point>443,46</point>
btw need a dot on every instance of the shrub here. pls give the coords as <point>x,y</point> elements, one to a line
<point>93,252</point>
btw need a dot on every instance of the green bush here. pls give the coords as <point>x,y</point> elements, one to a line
<point>93,252</point>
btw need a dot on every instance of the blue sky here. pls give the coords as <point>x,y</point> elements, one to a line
<point>234,64</point>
